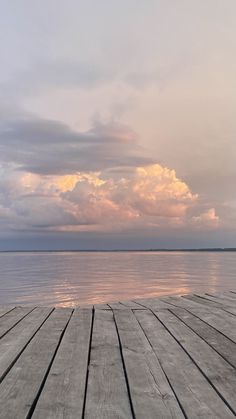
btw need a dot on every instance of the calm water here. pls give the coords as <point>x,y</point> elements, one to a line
<point>66,279</point>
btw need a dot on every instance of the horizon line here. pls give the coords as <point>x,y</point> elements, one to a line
<point>197,249</point>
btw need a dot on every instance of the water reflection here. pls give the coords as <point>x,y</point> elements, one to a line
<point>69,279</point>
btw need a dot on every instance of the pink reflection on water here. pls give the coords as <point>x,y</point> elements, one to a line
<point>71,279</point>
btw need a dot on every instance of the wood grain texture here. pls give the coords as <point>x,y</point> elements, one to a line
<point>222,299</point>
<point>152,303</point>
<point>220,374</point>
<point>131,304</point>
<point>5,309</point>
<point>107,395</point>
<point>181,302</point>
<point>151,393</point>
<point>14,342</point>
<point>225,347</point>
<point>116,306</point>
<point>195,393</point>
<point>223,302</point>
<point>64,390</point>
<point>225,297</point>
<point>10,319</point>
<point>168,357</point>
<point>220,320</point>
<point>20,387</point>
<point>208,302</point>
<point>102,306</point>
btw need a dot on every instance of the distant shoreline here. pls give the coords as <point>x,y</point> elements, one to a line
<point>210,249</point>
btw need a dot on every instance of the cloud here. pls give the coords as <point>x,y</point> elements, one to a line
<point>150,192</point>
<point>49,147</point>
<point>55,179</point>
<point>208,218</point>
<point>92,201</point>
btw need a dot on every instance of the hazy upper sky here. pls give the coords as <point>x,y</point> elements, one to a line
<point>117,123</point>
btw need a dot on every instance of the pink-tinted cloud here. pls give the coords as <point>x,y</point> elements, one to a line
<point>208,219</point>
<point>146,196</point>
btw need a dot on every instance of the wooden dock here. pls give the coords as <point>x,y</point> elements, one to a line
<point>170,357</point>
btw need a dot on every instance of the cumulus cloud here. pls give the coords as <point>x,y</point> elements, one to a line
<point>150,192</point>
<point>54,178</point>
<point>93,201</point>
<point>208,218</point>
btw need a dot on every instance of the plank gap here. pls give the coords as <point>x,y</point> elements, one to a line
<point>164,372</point>
<point>204,321</point>
<point>33,406</point>
<point>24,347</point>
<point>124,368</point>
<point>88,363</point>
<point>196,364</point>
<point>17,322</point>
<point>201,337</point>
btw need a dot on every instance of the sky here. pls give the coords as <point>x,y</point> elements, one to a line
<point>117,124</point>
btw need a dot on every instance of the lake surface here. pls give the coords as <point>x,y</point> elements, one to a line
<point>69,278</point>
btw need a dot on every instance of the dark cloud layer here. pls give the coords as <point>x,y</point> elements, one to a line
<point>50,147</point>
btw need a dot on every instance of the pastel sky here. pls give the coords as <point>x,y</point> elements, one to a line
<point>117,124</point>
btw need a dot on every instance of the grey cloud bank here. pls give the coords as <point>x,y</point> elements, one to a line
<point>50,147</point>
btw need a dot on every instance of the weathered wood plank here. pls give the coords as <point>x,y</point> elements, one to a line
<point>220,374</point>
<point>225,296</point>
<point>152,303</point>
<point>223,299</point>
<point>116,306</point>
<point>151,393</point>
<point>221,321</point>
<point>195,393</point>
<point>107,395</point>
<point>216,340</point>
<point>180,302</point>
<point>102,306</point>
<point>10,319</point>
<point>188,303</point>
<point>85,306</point>
<point>21,386</point>
<point>132,305</point>
<point>5,309</point>
<point>64,390</point>
<point>201,299</point>
<point>14,342</point>
<point>230,294</point>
